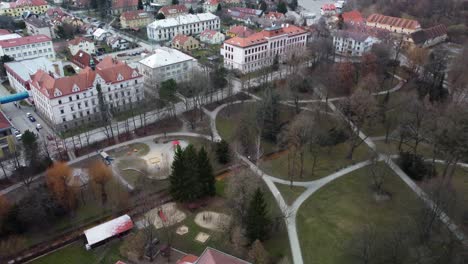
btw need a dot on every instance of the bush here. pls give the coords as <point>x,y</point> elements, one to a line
<point>414,165</point>
<point>332,137</point>
<point>223,152</point>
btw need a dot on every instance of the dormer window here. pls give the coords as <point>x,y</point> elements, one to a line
<point>120,77</point>
<point>75,88</point>
<point>134,74</point>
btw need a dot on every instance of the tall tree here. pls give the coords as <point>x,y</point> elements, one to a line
<point>223,152</point>
<point>281,7</point>
<point>268,115</point>
<point>257,221</point>
<point>205,174</point>
<point>184,183</point>
<point>104,111</point>
<point>56,177</point>
<point>140,4</point>
<point>258,254</point>
<point>101,174</point>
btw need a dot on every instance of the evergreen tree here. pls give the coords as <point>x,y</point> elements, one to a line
<point>219,8</point>
<point>160,16</point>
<point>263,6</point>
<point>191,11</point>
<point>175,2</point>
<point>176,178</point>
<point>257,221</point>
<point>192,185</point>
<point>140,4</point>
<point>282,8</point>
<point>206,177</point>
<point>222,152</point>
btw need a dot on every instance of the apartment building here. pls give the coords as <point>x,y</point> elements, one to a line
<point>16,9</point>
<point>189,24</point>
<point>259,50</point>
<point>36,26</point>
<point>173,10</point>
<point>72,101</point>
<point>81,43</point>
<point>165,64</point>
<point>28,47</point>
<point>393,24</point>
<point>354,44</point>
<point>135,19</point>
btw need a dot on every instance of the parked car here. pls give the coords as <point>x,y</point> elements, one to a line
<point>17,132</point>
<point>38,126</point>
<point>18,137</point>
<point>32,119</point>
<point>28,114</point>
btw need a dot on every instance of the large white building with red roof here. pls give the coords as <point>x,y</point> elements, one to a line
<point>259,50</point>
<point>72,101</point>
<point>28,47</point>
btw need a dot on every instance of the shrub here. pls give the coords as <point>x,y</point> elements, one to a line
<point>414,165</point>
<point>332,137</point>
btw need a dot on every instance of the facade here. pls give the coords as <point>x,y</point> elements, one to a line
<point>210,6</point>
<point>173,10</point>
<point>120,6</point>
<point>212,37</point>
<point>19,72</point>
<point>16,9</point>
<point>28,47</point>
<point>165,64</point>
<point>259,50</point>
<point>80,43</point>
<point>353,44</point>
<point>240,31</point>
<point>186,43</point>
<point>135,19</point>
<point>429,37</point>
<point>393,24</point>
<point>7,141</point>
<point>166,29</point>
<point>36,26</point>
<point>72,101</point>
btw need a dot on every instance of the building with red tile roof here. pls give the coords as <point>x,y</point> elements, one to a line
<point>352,17</point>
<point>28,47</point>
<point>120,6</point>
<point>328,10</point>
<point>212,37</point>
<point>184,42</point>
<point>393,24</point>
<point>274,16</point>
<point>240,31</point>
<point>173,10</point>
<point>260,49</point>
<point>84,60</point>
<point>7,142</point>
<point>135,19</point>
<point>214,256</point>
<point>72,100</point>
<point>210,6</point>
<point>429,37</point>
<point>17,8</point>
<point>83,44</point>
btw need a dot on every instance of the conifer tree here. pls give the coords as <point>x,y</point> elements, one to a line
<point>222,152</point>
<point>205,174</point>
<point>192,185</point>
<point>257,221</point>
<point>176,179</point>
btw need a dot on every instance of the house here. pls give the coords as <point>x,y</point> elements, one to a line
<point>81,43</point>
<point>135,19</point>
<point>72,101</point>
<point>83,60</point>
<point>54,12</point>
<point>189,24</point>
<point>328,10</point>
<point>173,10</point>
<point>101,34</point>
<point>210,6</point>
<point>212,37</point>
<point>351,43</point>
<point>184,42</point>
<point>352,17</point>
<point>100,234</point>
<point>120,6</point>
<point>245,15</point>
<point>429,37</point>
<point>260,49</point>
<point>117,43</point>
<point>36,26</point>
<point>29,47</point>
<point>7,140</point>
<point>74,21</point>
<point>19,72</point>
<point>240,31</point>
<point>16,9</point>
<point>214,256</point>
<point>274,16</point>
<point>164,64</point>
<point>393,24</point>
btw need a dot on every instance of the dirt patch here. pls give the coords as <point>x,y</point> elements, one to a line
<point>212,220</point>
<point>166,215</point>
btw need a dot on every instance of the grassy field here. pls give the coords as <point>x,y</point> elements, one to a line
<point>392,148</point>
<point>290,194</point>
<point>330,217</point>
<point>328,161</point>
<point>77,254</point>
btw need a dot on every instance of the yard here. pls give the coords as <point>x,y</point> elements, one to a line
<point>289,193</point>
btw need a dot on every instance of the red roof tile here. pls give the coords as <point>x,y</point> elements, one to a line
<point>213,256</point>
<point>181,39</point>
<point>4,32</point>
<point>260,37</point>
<point>393,21</point>
<point>208,33</point>
<point>83,59</point>
<point>136,14</point>
<point>328,7</point>
<point>188,259</point>
<point>173,9</point>
<point>274,15</point>
<point>241,31</point>
<point>77,40</point>
<point>21,3</point>
<point>352,17</point>
<point>4,123</point>
<point>24,41</point>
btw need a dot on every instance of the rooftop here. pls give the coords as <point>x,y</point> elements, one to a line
<point>78,40</point>
<point>353,16</point>
<point>165,56</point>
<point>357,36</point>
<point>36,22</point>
<point>4,123</point>
<point>124,3</point>
<point>421,36</point>
<point>173,9</point>
<point>262,37</point>
<point>25,68</point>
<point>108,229</point>
<point>182,20</point>
<point>9,36</point>
<point>24,41</point>
<point>214,256</point>
<point>393,21</point>
<point>136,14</point>
<point>241,31</point>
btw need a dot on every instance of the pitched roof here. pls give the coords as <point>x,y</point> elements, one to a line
<point>124,3</point>
<point>21,3</point>
<point>182,20</point>
<point>241,31</point>
<point>181,39</point>
<point>274,15</point>
<point>36,22</point>
<point>83,59</point>
<point>165,56</point>
<point>187,259</point>
<point>23,41</point>
<point>173,9</point>
<point>328,7</point>
<point>135,14</point>
<point>214,256</point>
<point>261,37</point>
<point>353,16</point>
<point>357,36</point>
<point>77,40</point>
<point>208,33</point>
<point>55,11</point>
<point>393,21</point>
<point>4,31</point>
<point>212,2</point>
<point>422,36</point>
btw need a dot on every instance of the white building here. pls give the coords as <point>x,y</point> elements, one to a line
<point>189,24</point>
<point>117,43</point>
<point>101,34</point>
<point>210,6</point>
<point>165,64</point>
<point>354,44</point>
<point>28,47</point>
<point>72,101</point>
<point>212,37</point>
<point>259,50</point>
<point>80,43</point>
<point>36,26</point>
<point>19,72</point>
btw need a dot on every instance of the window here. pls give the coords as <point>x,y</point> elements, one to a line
<point>62,111</point>
<point>70,99</point>
<point>60,101</point>
<point>77,96</point>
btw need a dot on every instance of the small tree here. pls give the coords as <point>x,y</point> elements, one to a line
<point>258,254</point>
<point>175,2</point>
<point>160,16</point>
<point>191,11</point>
<point>168,89</point>
<point>223,152</point>
<point>257,222</point>
<point>101,174</point>
<point>205,174</point>
<point>281,7</point>
<point>56,177</point>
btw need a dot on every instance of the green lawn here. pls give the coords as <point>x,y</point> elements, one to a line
<point>329,218</point>
<point>392,147</point>
<point>328,161</point>
<point>76,253</point>
<point>289,193</point>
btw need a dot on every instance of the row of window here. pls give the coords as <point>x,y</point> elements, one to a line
<point>28,46</point>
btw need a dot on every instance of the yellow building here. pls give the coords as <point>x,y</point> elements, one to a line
<point>135,19</point>
<point>17,8</point>
<point>186,43</point>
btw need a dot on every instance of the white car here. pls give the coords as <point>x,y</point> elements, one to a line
<point>28,114</point>
<point>38,126</point>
